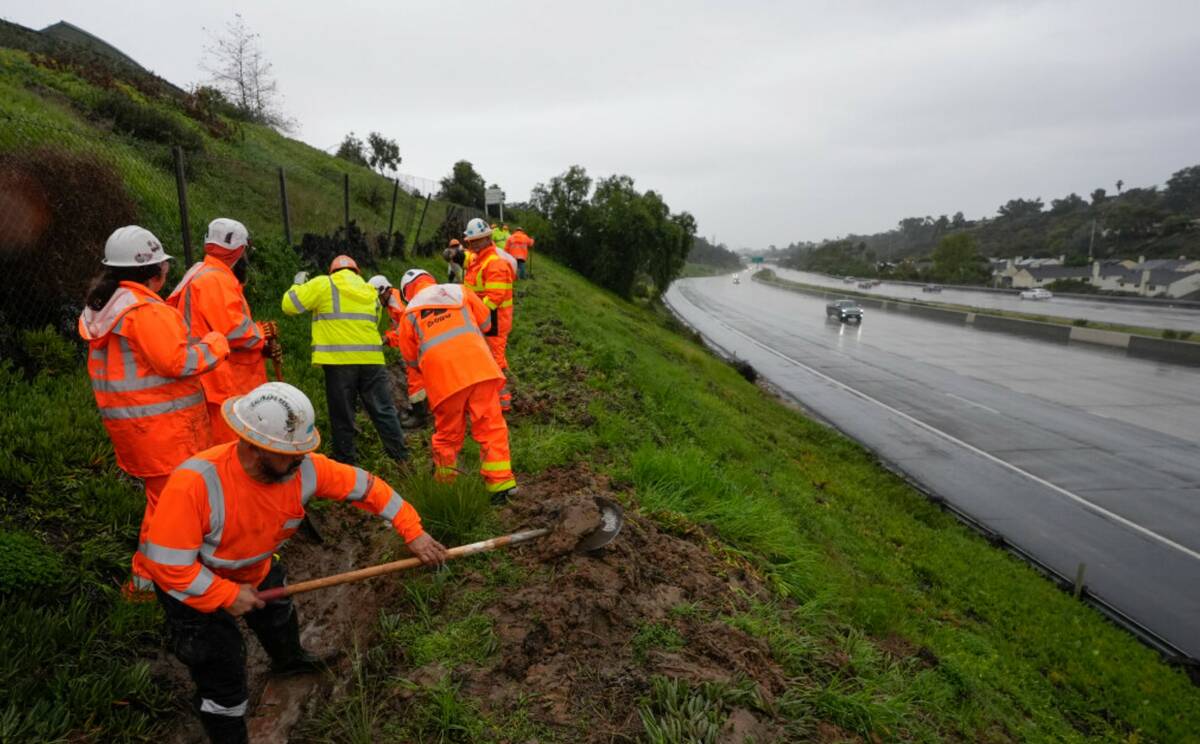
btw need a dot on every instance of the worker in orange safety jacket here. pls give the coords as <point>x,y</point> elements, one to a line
<point>145,370</point>
<point>518,246</point>
<point>210,298</point>
<point>213,540</point>
<point>451,370</point>
<point>491,277</point>
<point>389,298</point>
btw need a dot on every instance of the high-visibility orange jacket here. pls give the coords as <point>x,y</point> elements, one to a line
<point>144,374</point>
<point>210,298</point>
<point>492,279</point>
<point>441,340</point>
<point>518,245</point>
<point>216,527</point>
<point>395,308</point>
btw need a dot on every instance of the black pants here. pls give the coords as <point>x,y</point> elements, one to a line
<point>347,383</point>
<point>210,645</point>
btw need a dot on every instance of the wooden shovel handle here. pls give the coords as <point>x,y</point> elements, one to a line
<point>483,546</point>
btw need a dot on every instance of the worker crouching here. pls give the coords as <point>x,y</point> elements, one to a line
<point>451,370</point>
<point>213,539</point>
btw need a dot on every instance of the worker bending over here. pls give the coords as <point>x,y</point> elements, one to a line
<point>210,298</point>
<point>213,540</point>
<point>451,370</point>
<point>491,276</point>
<point>346,344</point>
<point>389,299</point>
<point>145,370</point>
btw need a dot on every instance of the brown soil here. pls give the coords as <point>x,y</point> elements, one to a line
<point>567,635</point>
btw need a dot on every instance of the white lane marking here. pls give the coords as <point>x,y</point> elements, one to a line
<point>972,448</point>
<point>972,403</point>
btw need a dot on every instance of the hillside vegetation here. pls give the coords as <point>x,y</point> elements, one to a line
<point>839,603</point>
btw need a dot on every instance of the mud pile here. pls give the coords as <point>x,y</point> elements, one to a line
<point>569,637</point>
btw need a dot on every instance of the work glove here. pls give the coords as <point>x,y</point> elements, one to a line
<point>300,278</point>
<point>273,349</point>
<point>270,329</point>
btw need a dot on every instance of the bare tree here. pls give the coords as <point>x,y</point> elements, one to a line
<point>239,69</point>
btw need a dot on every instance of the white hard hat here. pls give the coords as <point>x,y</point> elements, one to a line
<point>379,282</point>
<point>227,233</point>
<point>476,228</point>
<point>274,416</point>
<point>409,277</point>
<point>133,246</point>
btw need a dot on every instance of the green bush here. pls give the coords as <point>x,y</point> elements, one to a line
<point>48,352</point>
<point>27,565</point>
<point>147,123</point>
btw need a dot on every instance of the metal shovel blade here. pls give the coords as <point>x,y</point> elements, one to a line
<point>611,519</point>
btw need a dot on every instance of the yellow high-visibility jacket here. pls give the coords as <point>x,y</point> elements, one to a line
<point>346,313</point>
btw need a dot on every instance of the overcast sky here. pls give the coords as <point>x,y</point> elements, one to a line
<point>770,121</point>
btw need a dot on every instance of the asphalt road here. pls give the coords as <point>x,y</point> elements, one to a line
<point>1073,454</point>
<point>1143,316</point>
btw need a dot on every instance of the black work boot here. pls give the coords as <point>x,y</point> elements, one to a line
<point>224,729</point>
<point>288,656</point>
<point>500,498</point>
<point>416,417</point>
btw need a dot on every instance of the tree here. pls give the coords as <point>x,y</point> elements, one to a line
<point>1016,208</point>
<point>958,221</point>
<point>463,185</point>
<point>385,153</point>
<point>1120,183</point>
<point>1183,190</point>
<point>1067,204</point>
<point>238,68</point>
<point>352,150</point>
<point>1098,197</point>
<point>956,259</point>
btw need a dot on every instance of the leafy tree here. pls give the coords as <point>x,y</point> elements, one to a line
<point>384,153</point>
<point>1067,204</point>
<point>1016,208</point>
<point>1120,183</point>
<point>463,185</point>
<point>958,221</point>
<point>956,259</point>
<point>352,150</point>
<point>1098,197</point>
<point>238,68</point>
<point>1183,190</point>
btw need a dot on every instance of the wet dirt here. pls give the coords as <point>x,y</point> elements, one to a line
<point>335,618</point>
<point>571,638</point>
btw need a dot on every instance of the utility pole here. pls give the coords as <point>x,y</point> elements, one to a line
<point>1092,240</point>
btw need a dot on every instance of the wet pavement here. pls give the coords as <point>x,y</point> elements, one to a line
<point>1142,316</point>
<point>1074,454</point>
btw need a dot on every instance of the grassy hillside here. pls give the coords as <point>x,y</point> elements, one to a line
<point>773,580</point>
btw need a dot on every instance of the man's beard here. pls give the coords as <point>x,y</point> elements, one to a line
<point>274,476</point>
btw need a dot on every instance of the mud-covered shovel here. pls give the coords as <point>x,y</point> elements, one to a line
<point>611,519</point>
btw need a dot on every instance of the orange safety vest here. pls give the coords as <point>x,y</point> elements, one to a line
<point>210,298</point>
<point>442,342</point>
<point>518,245</point>
<point>492,279</point>
<point>216,527</point>
<point>144,375</point>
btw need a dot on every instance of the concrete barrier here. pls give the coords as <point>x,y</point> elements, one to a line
<point>958,317</point>
<point>1029,328</point>
<point>1082,335</point>
<point>1164,350</point>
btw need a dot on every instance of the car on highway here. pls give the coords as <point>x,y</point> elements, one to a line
<point>865,285</point>
<point>1036,294</point>
<point>848,280</point>
<point>847,311</point>
<point>932,288</point>
<point>737,279</point>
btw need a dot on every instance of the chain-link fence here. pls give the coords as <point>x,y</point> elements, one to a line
<point>66,185</point>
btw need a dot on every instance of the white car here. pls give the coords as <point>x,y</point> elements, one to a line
<point>1036,294</point>
<point>737,279</point>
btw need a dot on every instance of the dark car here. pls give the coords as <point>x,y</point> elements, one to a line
<point>846,311</point>
<point>932,288</point>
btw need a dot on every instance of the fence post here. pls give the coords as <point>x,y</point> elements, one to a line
<point>422,221</point>
<point>346,205</point>
<point>392,218</point>
<point>287,220</point>
<point>181,187</point>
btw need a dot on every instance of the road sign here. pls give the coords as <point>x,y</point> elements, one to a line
<point>756,259</point>
<point>493,196</point>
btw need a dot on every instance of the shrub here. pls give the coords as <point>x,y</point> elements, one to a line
<point>27,566</point>
<point>1081,322</point>
<point>147,123</point>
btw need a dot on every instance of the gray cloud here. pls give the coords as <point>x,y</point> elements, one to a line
<point>770,122</point>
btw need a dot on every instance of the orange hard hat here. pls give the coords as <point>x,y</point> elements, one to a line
<point>343,262</point>
<point>454,241</point>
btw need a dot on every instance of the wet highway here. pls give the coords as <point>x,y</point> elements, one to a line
<point>1131,314</point>
<point>1074,454</point>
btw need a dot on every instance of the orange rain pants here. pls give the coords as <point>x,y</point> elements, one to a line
<point>480,404</point>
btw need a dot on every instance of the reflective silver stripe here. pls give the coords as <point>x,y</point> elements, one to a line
<point>426,346</point>
<point>199,585</point>
<point>412,317</point>
<point>243,329</point>
<point>129,386</point>
<point>141,583</point>
<point>208,559</point>
<point>152,409</point>
<point>394,504</point>
<point>191,362</point>
<point>210,359</point>
<point>168,556</point>
<point>345,316</point>
<point>361,482</point>
<point>292,524</point>
<point>216,497</point>
<point>295,298</point>
<point>99,355</point>
<point>308,480</point>
<point>237,711</point>
<point>347,347</point>
<point>128,363</point>
<point>334,296</point>
<point>187,307</point>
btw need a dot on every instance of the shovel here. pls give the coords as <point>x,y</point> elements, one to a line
<point>611,519</point>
